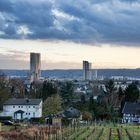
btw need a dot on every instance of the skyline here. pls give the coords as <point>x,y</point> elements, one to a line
<point>65,58</point>
<point>106,33</point>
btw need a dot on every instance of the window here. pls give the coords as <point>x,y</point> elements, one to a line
<point>21,106</point>
<point>29,113</point>
<point>18,106</point>
<point>26,113</point>
<point>13,106</point>
<point>33,114</point>
<point>29,106</point>
<point>33,106</point>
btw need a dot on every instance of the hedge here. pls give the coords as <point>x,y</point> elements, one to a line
<point>3,118</point>
<point>37,120</point>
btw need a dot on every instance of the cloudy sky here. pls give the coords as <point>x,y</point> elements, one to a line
<point>66,32</point>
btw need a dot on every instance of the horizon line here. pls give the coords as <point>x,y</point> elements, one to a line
<point>75,69</point>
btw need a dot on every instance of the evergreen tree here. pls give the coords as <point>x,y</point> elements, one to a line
<point>110,87</point>
<point>48,90</point>
<point>66,91</point>
<point>83,100</point>
<point>92,105</point>
<point>132,93</point>
<point>120,93</point>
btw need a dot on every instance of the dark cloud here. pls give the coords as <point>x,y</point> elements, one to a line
<point>5,6</point>
<point>90,21</point>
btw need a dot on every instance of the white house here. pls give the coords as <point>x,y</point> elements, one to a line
<point>131,113</point>
<point>22,108</point>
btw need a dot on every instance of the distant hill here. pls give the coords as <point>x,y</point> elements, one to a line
<point>76,73</point>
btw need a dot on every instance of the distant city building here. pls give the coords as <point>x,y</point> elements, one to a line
<point>95,74</point>
<point>35,66</point>
<point>87,71</point>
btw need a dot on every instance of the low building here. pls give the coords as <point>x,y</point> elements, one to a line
<point>71,116</point>
<point>71,113</point>
<point>54,119</point>
<point>21,109</point>
<point>131,113</point>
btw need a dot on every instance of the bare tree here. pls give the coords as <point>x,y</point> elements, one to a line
<point>4,89</point>
<point>17,88</point>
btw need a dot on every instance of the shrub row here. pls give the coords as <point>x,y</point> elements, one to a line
<point>3,118</point>
<point>37,120</point>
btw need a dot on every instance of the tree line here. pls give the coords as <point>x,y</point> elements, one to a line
<point>58,96</point>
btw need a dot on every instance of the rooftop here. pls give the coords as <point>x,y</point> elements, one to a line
<point>14,101</point>
<point>131,108</point>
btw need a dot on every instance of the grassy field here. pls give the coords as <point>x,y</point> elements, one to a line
<point>6,127</point>
<point>10,127</point>
<point>102,131</point>
<point>105,132</point>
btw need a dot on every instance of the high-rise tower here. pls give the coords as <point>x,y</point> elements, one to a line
<point>87,72</point>
<point>35,66</point>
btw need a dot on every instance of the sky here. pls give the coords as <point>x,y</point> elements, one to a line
<point>66,32</point>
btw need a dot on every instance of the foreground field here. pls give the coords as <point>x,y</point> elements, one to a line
<point>100,131</point>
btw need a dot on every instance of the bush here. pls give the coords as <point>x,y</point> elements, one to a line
<point>86,116</point>
<point>3,118</point>
<point>37,120</point>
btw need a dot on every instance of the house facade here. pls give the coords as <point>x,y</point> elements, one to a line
<point>131,113</point>
<point>22,108</point>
